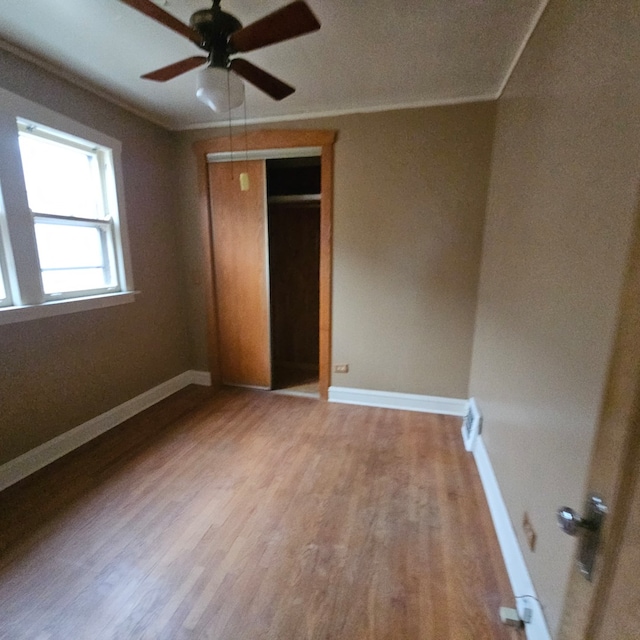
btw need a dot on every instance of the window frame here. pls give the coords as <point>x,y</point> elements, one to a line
<point>19,262</point>
<point>5,250</point>
<point>5,301</point>
<point>108,241</point>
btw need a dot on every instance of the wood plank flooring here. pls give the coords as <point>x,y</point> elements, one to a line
<point>250,515</point>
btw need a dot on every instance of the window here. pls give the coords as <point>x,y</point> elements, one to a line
<point>63,242</point>
<point>66,183</point>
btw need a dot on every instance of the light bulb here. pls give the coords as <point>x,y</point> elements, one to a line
<point>219,89</point>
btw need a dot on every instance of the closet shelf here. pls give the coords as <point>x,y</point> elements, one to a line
<point>306,197</point>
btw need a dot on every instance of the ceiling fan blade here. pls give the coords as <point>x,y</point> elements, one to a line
<point>154,11</point>
<point>175,69</point>
<point>261,79</point>
<point>291,21</point>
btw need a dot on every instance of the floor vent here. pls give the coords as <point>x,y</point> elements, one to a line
<point>471,425</point>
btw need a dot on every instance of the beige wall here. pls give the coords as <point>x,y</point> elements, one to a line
<point>564,184</point>
<point>410,195</point>
<point>56,373</point>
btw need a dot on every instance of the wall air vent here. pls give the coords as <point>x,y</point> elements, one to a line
<point>471,425</point>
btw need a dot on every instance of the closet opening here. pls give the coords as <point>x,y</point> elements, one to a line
<point>293,211</point>
<point>240,276</point>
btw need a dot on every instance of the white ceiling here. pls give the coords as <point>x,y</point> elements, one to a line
<point>368,55</point>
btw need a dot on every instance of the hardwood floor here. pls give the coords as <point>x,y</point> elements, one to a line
<point>294,380</point>
<point>251,515</point>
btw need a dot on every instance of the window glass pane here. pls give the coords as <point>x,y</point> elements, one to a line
<point>63,246</point>
<point>68,280</point>
<point>72,257</point>
<point>60,179</point>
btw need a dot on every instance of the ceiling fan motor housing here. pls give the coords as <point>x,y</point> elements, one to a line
<point>215,26</point>
<point>222,35</point>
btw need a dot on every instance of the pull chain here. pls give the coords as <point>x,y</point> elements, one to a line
<point>229,112</point>
<point>244,177</point>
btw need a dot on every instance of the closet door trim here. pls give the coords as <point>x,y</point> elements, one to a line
<point>267,140</point>
<point>264,154</point>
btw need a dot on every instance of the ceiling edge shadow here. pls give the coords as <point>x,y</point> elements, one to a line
<point>311,115</point>
<point>523,45</point>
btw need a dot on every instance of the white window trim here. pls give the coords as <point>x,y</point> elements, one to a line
<point>5,255</point>
<point>16,226</point>
<point>9,315</point>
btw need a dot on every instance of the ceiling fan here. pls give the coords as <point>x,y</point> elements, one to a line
<point>222,35</point>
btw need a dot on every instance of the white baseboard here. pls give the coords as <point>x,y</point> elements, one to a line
<point>202,378</point>
<point>405,401</point>
<point>31,461</point>
<point>521,582</point>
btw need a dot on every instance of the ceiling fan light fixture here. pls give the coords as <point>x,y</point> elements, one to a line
<point>220,89</point>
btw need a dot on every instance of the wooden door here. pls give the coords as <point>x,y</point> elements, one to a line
<point>608,607</point>
<point>240,269</point>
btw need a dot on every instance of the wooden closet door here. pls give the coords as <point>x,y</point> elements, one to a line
<point>239,225</point>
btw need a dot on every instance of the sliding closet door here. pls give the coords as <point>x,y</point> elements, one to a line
<point>240,267</point>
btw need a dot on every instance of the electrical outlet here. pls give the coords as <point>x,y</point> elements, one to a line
<point>529,532</point>
<point>341,368</point>
<point>525,609</point>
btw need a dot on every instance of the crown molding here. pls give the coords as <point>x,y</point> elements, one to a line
<point>79,81</point>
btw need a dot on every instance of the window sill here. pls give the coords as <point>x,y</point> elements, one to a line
<point>9,315</point>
